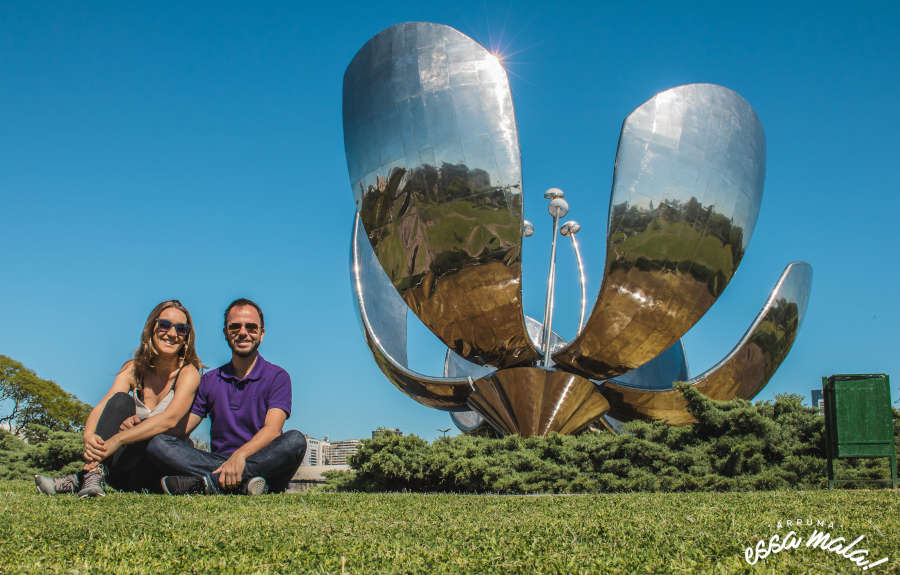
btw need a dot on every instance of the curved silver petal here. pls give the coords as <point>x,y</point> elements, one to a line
<point>383,316</point>
<point>659,372</point>
<point>468,421</point>
<point>433,155</point>
<point>744,371</point>
<point>456,366</point>
<point>686,192</point>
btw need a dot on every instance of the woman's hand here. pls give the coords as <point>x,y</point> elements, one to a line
<point>129,422</point>
<point>94,448</point>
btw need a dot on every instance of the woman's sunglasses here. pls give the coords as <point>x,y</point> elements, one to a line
<point>164,325</point>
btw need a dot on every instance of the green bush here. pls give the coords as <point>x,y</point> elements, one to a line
<point>734,445</point>
<point>48,452</point>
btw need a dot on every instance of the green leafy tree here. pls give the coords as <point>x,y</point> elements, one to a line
<point>30,399</point>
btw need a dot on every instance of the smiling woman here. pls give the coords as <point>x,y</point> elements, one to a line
<point>151,394</point>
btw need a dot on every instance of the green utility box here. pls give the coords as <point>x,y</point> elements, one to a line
<point>859,421</point>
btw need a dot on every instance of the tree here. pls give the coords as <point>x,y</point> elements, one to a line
<point>33,400</point>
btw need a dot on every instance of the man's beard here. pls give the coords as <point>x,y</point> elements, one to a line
<point>247,353</point>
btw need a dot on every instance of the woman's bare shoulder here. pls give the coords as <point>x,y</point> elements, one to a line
<point>125,378</point>
<point>190,373</point>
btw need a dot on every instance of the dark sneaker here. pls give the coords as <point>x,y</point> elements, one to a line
<point>53,485</point>
<point>185,485</point>
<point>256,486</point>
<point>92,483</point>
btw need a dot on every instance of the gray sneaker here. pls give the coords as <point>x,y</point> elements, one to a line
<point>185,485</point>
<point>256,486</point>
<point>53,485</point>
<point>92,484</point>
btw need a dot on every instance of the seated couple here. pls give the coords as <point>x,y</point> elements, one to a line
<point>136,438</point>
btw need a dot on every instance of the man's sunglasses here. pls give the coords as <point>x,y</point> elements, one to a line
<point>164,325</point>
<point>252,328</point>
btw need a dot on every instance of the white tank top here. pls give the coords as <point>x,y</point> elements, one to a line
<point>141,410</point>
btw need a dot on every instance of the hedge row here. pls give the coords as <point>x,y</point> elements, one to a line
<point>734,445</point>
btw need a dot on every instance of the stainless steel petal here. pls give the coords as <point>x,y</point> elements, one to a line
<point>469,422</point>
<point>383,316</point>
<point>433,155</point>
<point>534,401</point>
<point>744,371</point>
<point>686,192</point>
<point>456,366</point>
<point>659,372</point>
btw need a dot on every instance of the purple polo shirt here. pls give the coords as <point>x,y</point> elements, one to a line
<point>237,407</point>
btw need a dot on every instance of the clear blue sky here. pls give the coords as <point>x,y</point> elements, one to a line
<point>195,151</point>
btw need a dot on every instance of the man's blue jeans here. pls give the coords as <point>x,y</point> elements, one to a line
<point>277,462</point>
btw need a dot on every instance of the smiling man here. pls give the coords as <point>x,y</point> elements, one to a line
<point>248,401</point>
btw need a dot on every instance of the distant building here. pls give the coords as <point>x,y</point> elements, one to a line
<point>313,455</point>
<point>818,400</point>
<point>385,431</point>
<point>322,452</point>
<point>339,452</point>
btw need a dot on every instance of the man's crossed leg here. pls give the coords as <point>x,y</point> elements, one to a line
<point>275,463</point>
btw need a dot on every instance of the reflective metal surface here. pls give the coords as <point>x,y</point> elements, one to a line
<point>433,155</point>
<point>432,152</point>
<point>468,422</point>
<point>582,280</point>
<point>744,371</point>
<point>383,316</point>
<point>457,367</point>
<point>658,373</point>
<point>534,401</point>
<point>686,192</point>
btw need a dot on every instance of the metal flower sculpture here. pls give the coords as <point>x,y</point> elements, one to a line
<point>433,156</point>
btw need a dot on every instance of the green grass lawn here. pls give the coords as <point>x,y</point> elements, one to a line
<point>412,533</point>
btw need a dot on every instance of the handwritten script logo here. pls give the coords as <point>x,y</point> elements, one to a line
<point>817,540</point>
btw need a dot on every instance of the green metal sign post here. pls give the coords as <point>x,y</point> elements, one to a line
<point>859,421</point>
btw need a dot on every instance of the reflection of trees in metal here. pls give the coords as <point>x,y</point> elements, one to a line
<point>428,222</point>
<point>675,237</point>
<point>743,372</point>
<point>432,151</point>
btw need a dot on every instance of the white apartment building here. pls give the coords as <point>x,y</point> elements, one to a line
<point>324,452</point>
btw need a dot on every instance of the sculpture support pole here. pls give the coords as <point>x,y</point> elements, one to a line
<point>548,305</point>
<point>558,208</point>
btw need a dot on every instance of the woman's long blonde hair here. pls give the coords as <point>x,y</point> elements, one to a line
<point>146,354</point>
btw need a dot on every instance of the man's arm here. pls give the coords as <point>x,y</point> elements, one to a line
<point>192,423</point>
<point>231,471</point>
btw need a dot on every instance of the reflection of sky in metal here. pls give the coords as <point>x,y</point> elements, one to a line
<point>793,287</point>
<point>689,172</point>
<point>433,156</point>
<point>432,151</point>
<point>426,94</point>
<point>383,316</point>
<point>743,372</point>
<point>466,420</point>
<point>660,372</point>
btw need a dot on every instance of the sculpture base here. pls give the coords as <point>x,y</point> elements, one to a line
<point>533,401</point>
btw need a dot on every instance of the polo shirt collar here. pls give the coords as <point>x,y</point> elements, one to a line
<point>227,371</point>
